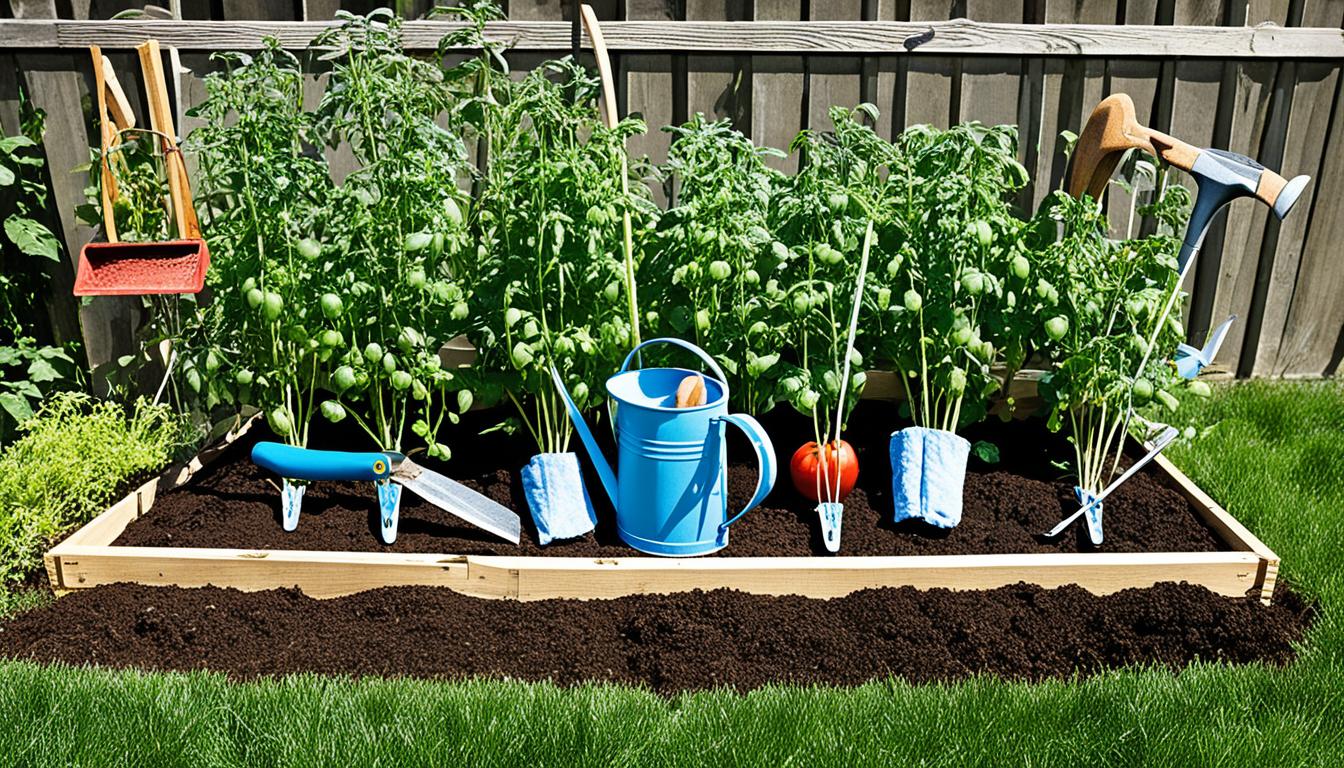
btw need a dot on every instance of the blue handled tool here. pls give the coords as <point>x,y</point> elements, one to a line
<point>389,472</point>
<point>1189,361</point>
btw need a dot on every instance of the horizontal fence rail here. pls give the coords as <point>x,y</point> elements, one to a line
<point>958,37</point>
<point>1257,77</point>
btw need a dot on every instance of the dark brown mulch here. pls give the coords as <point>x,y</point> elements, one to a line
<point>1007,505</point>
<point>669,643</point>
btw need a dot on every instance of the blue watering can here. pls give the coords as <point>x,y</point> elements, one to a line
<point>671,498</point>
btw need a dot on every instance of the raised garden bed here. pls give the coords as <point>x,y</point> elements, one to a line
<point>215,523</point>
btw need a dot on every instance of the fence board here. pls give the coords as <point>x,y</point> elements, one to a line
<point>650,87</point>
<point>928,88</point>
<point>777,88</point>
<point>832,80</point>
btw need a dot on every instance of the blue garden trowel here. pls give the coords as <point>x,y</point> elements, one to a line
<point>389,472</point>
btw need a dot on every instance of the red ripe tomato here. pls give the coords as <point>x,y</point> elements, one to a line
<point>808,475</point>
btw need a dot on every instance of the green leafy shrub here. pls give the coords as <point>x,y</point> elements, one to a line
<point>953,270</point>
<point>76,456</point>
<point>1103,298</point>
<point>29,368</point>
<point>550,280</point>
<point>705,275</point>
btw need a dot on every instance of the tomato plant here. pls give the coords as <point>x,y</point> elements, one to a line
<point>1103,298</point>
<point>550,280</point>
<point>712,249</point>
<point>956,265</point>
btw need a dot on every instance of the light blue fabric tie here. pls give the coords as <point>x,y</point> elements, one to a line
<point>560,505</point>
<point>928,472</point>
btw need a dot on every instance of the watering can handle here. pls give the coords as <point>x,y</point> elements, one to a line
<point>686,345</point>
<point>765,457</point>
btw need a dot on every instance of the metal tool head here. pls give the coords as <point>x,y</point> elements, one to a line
<point>1224,176</point>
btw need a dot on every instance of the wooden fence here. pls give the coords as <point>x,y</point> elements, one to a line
<point>1259,77</point>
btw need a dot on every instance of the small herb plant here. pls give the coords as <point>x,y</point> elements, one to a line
<point>73,459</point>
<point>1106,296</point>
<point>711,251</point>
<point>550,278</point>
<point>955,266</point>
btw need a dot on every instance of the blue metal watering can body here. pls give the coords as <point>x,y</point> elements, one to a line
<point>671,497</point>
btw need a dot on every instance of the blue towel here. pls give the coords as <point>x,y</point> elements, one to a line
<point>928,470</point>
<point>1093,515</point>
<point>561,508</point>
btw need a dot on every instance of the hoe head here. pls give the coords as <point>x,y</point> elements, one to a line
<point>1111,131</point>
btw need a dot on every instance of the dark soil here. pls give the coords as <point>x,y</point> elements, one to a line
<point>670,643</point>
<point>233,503</point>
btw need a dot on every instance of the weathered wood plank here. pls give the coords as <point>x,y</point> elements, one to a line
<point>832,81</point>
<point>1139,79</point>
<point>777,88</point>
<point>719,86</point>
<point>989,84</point>
<point>654,84</point>
<point>930,79</point>
<point>952,37</point>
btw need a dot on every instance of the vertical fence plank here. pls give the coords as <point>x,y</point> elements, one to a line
<point>719,86</point>
<point>1070,88</point>
<point>1137,78</point>
<point>884,76</point>
<point>1251,91</point>
<point>832,80</point>
<point>1296,321</point>
<point>777,88</point>
<point>650,87</point>
<point>989,84</point>
<point>928,89</point>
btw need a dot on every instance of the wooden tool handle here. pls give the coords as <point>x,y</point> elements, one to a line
<point>1172,149</point>
<point>691,391</point>
<point>603,64</point>
<point>107,187</point>
<point>161,120</point>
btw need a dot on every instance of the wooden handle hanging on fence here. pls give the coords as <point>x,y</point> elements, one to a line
<point>161,120</point>
<point>603,63</point>
<point>107,186</point>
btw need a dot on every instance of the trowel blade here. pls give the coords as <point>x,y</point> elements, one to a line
<point>457,499</point>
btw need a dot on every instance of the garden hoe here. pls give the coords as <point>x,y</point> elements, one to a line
<point>114,268</point>
<point>388,472</point>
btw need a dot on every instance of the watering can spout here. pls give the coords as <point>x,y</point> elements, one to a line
<point>604,471</point>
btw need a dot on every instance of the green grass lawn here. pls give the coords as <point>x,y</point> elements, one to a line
<point>1274,455</point>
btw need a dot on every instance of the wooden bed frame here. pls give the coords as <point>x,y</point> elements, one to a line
<point>87,558</point>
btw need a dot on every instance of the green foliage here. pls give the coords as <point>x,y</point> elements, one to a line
<point>551,286</point>
<point>950,285</point>
<point>75,457</point>
<point>28,250</point>
<point>1098,302</point>
<point>705,275</point>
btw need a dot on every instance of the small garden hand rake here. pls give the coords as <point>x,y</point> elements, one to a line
<point>115,268</point>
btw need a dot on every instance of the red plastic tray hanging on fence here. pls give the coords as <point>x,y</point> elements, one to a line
<point>115,268</point>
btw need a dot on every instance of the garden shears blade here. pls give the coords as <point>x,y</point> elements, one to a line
<point>1163,440</point>
<point>1189,361</point>
<point>459,500</point>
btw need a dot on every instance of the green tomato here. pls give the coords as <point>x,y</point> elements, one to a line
<point>1167,399</point>
<point>309,248</point>
<point>801,304</point>
<point>983,233</point>
<point>332,410</point>
<point>956,382</point>
<point>453,212</point>
<point>417,241</point>
<point>1056,327</point>
<point>913,301</point>
<point>249,284</point>
<point>273,306</point>
<point>883,298</point>
<point>1200,389</point>
<point>212,362</point>
<point>1021,267</point>
<point>459,311</point>
<point>464,400</point>
<point>702,320</point>
<point>417,279</point>
<point>521,355</point>
<point>254,297</point>
<point>278,420</point>
<point>780,251</point>
<point>612,292</point>
<point>838,201</point>
<point>564,346</point>
<point>1143,391</point>
<point>373,352</point>
<point>829,255</point>
<point>401,381</point>
<point>343,379</point>
<point>419,391</point>
<point>409,340</point>
<point>390,363</point>
<point>331,338</point>
<point>511,316</point>
<point>332,306</point>
<point>973,283</point>
<point>719,269</point>
<point>893,266</point>
<point>961,336</point>
<point>243,377</point>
